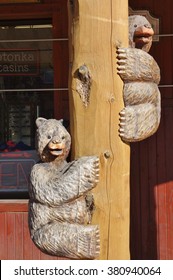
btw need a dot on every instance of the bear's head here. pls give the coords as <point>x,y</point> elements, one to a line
<point>140,33</point>
<point>53,140</point>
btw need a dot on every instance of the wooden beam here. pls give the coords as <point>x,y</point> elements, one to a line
<point>95,28</point>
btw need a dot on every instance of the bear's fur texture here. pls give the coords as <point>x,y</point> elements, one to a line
<point>140,73</point>
<point>58,206</point>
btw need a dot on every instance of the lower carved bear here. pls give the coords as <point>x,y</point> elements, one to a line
<point>59,212</point>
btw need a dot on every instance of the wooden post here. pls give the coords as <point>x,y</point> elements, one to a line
<point>95,28</point>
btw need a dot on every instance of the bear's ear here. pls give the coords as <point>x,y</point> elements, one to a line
<point>40,121</point>
<point>61,121</point>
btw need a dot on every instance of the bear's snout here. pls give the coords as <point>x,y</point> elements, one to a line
<point>55,144</point>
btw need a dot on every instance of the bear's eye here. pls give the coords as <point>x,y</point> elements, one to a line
<point>135,25</point>
<point>49,137</point>
<point>63,137</point>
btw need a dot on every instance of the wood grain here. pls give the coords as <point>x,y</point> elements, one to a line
<point>94,32</point>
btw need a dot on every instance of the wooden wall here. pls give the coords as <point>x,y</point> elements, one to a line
<point>15,241</point>
<point>151,160</point>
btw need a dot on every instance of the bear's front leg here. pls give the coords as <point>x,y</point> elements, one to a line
<point>88,173</point>
<point>57,188</point>
<point>137,65</point>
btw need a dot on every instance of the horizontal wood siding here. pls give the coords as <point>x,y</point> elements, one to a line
<point>151,160</point>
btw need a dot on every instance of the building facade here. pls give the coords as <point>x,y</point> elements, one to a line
<point>34,69</point>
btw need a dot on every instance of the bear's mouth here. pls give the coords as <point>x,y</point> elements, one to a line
<point>56,149</point>
<point>56,152</point>
<point>142,36</point>
<point>145,38</point>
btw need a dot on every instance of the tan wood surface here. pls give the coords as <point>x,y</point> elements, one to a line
<point>95,28</point>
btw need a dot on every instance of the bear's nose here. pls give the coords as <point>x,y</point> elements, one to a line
<point>56,141</point>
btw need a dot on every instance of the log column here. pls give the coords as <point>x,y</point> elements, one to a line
<point>95,28</point>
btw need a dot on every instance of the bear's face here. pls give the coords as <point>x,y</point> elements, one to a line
<point>53,140</point>
<point>140,33</point>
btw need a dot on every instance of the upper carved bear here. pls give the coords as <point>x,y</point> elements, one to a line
<point>59,212</point>
<point>140,73</point>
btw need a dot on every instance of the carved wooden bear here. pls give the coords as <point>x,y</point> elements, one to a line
<point>140,73</point>
<point>58,208</point>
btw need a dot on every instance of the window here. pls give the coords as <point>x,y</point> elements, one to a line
<point>26,92</point>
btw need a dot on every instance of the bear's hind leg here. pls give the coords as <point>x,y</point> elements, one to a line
<point>69,240</point>
<point>138,122</point>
